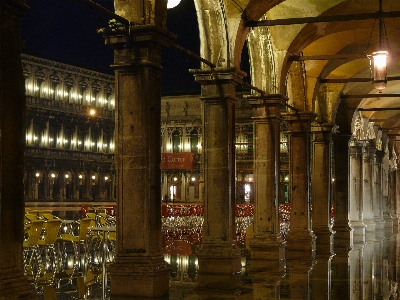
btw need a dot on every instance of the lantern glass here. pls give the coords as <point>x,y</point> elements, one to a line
<point>379,64</point>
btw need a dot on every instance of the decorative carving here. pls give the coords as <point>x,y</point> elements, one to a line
<point>379,140</point>
<point>370,134</point>
<point>358,129</point>
<point>335,129</point>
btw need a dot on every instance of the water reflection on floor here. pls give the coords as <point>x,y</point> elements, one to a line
<point>368,271</point>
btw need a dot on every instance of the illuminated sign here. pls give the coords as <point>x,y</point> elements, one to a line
<point>177,161</point>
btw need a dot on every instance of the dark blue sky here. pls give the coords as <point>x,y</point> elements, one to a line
<point>65,31</point>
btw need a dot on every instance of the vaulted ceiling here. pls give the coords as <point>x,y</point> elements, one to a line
<point>333,41</point>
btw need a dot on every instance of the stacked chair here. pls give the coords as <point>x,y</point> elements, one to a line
<point>66,256</point>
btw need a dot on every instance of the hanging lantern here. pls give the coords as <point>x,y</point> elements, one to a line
<point>379,69</point>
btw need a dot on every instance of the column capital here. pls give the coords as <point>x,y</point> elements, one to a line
<point>218,84</point>
<point>122,38</point>
<point>218,75</point>
<point>299,121</point>
<point>267,106</point>
<point>324,127</point>
<point>355,149</point>
<point>141,45</point>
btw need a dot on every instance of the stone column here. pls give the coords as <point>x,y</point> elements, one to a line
<point>74,182</point>
<point>393,203</point>
<point>398,195</point>
<point>219,259</point>
<point>321,186</point>
<point>355,274</point>
<point>300,240</point>
<point>340,194</point>
<point>13,284</point>
<point>46,185</point>
<point>87,185</point>
<point>355,193</point>
<point>367,189</point>
<point>264,240</point>
<point>377,191</point>
<point>139,269</point>
<point>321,149</point>
<point>385,192</point>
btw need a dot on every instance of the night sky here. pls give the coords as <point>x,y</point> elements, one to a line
<point>65,31</point>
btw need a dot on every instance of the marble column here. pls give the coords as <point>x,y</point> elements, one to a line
<point>13,284</point>
<point>300,240</point>
<point>367,189</point>
<point>321,186</point>
<point>397,198</point>
<point>339,281</point>
<point>265,241</point>
<point>219,259</point>
<point>385,192</point>
<point>321,171</point>
<point>340,193</point>
<point>139,269</point>
<point>355,273</point>
<point>367,269</point>
<point>377,191</point>
<point>355,193</point>
<point>393,202</point>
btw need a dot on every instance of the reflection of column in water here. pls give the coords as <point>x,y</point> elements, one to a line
<point>378,272</point>
<point>367,269</point>
<point>355,269</point>
<point>174,265</point>
<point>192,267</point>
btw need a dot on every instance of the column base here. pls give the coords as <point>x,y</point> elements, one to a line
<point>324,240</point>
<point>379,224</point>
<point>219,268</point>
<point>14,285</point>
<point>267,254</point>
<point>342,238</point>
<point>300,245</point>
<point>388,224</point>
<point>370,227</point>
<point>139,277</point>
<point>395,221</point>
<point>358,232</point>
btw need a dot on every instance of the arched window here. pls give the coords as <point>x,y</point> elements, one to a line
<point>176,141</point>
<point>194,141</point>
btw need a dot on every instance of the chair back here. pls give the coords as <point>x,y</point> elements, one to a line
<point>34,232</point>
<point>52,228</point>
<point>83,227</point>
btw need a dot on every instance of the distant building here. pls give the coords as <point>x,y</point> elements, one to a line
<point>70,139</point>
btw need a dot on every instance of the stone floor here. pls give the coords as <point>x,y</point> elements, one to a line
<point>370,270</point>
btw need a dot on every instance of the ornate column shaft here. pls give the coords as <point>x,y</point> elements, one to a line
<point>355,193</point>
<point>321,176</point>
<point>321,186</point>
<point>13,284</point>
<point>397,198</point>
<point>300,240</point>
<point>367,189</point>
<point>264,240</point>
<point>386,191</point>
<point>377,191</point>
<point>340,193</point>
<point>219,261</point>
<point>139,269</point>
<point>393,202</point>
